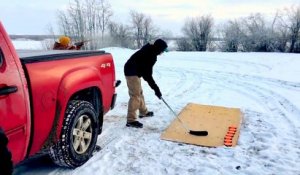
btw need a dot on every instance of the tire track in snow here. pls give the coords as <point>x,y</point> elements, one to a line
<point>278,103</point>
<point>127,146</point>
<point>279,107</point>
<point>186,82</point>
<point>254,88</point>
<point>274,102</point>
<point>223,79</point>
<point>237,64</point>
<point>270,81</point>
<point>231,64</point>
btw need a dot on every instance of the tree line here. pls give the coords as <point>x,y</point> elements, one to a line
<point>91,20</point>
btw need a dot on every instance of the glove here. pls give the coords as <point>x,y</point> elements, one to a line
<point>158,93</point>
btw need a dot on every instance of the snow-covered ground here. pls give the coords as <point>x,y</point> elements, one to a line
<point>26,44</point>
<point>266,86</point>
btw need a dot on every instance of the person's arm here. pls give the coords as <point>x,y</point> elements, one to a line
<point>148,77</point>
<point>56,46</point>
<point>79,45</point>
<point>71,48</point>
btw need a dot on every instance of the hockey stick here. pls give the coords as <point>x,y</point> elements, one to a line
<point>196,133</point>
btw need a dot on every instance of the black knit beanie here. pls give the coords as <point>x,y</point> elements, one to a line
<point>160,45</point>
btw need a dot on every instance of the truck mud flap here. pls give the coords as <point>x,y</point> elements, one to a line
<point>113,101</point>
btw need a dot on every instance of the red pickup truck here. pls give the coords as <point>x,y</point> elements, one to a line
<point>54,100</point>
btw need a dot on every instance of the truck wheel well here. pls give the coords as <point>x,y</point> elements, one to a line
<point>94,96</point>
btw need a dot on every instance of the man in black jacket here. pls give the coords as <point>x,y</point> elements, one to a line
<point>140,64</point>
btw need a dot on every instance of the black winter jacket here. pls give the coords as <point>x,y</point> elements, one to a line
<point>141,64</point>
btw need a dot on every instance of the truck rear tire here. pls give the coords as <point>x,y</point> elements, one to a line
<point>78,136</point>
<point>6,164</point>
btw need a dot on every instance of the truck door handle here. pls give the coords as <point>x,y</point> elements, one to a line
<point>8,90</point>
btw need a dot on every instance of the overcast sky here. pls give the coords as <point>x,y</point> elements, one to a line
<point>32,16</point>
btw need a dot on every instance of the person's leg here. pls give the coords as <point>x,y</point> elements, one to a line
<point>143,109</point>
<point>134,89</point>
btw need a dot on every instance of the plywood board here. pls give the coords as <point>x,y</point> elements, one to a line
<point>214,119</point>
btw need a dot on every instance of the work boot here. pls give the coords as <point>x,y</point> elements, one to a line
<point>134,124</point>
<point>148,114</point>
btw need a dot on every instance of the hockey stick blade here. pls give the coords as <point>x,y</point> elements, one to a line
<point>198,133</point>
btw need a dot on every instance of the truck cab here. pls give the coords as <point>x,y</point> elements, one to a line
<point>14,100</point>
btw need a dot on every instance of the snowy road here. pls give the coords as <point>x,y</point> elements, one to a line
<point>266,86</point>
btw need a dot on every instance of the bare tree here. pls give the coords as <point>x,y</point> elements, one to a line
<point>143,28</point>
<point>291,21</point>
<point>85,20</point>
<point>147,30</point>
<point>279,34</point>
<point>282,38</point>
<point>294,18</point>
<point>198,30</point>
<point>64,24</point>
<point>92,10</point>
<point>120,34</point>
<point>48,42</point>
<point>231,35</point>
<point>256,34</point>
<point>76,15</point>
<point>183,44</point>
<point>104,15</point>
<point>137,25</point>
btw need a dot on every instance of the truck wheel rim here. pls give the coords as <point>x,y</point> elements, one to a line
<point>82,134</point>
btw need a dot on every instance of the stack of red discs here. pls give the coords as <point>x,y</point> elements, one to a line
<point>229,136</point>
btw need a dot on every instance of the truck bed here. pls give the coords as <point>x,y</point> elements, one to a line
<point>32,56</point>
<point>54,76</point>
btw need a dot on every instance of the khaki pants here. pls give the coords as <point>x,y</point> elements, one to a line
<point>136,101</point>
